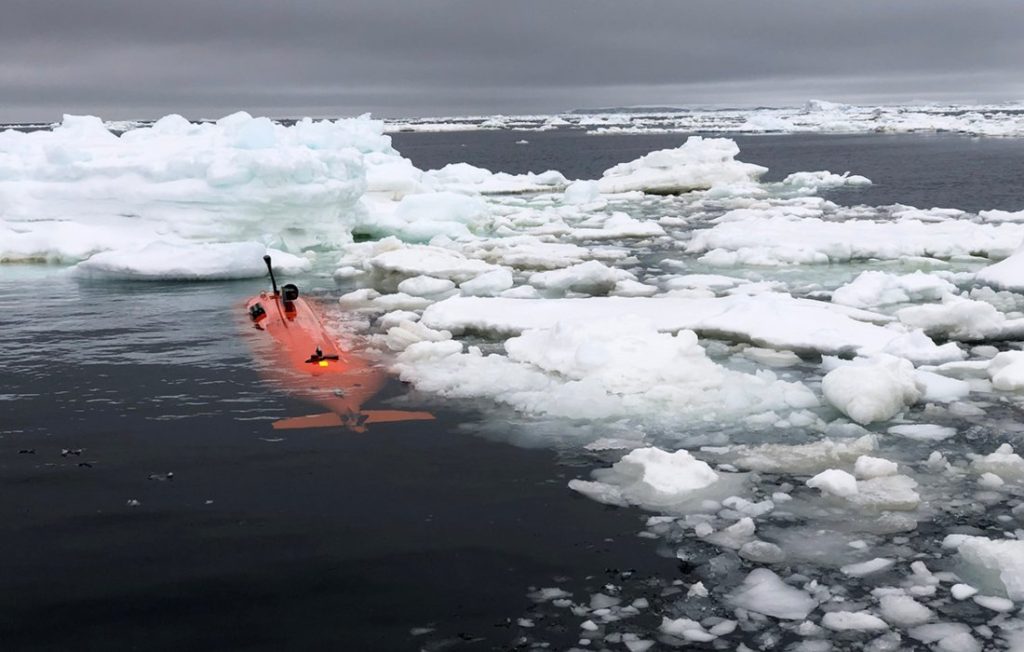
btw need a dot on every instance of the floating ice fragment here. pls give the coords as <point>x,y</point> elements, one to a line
<point>923,432</point>
<point>904,611</point>
<point>871,390</point>
<point>874,288</point>
<point>763,592</point>
<point>867,467</point>
<point>1002,462</point>
<point>842,621</point>
<point>875,565</point>
<point>992,565</point>
<point>699,164</point>
<point>162,261</point>
<point>802,458</point>
<point>835,482</point>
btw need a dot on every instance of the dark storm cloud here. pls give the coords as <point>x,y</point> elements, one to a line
<point>132,58</point>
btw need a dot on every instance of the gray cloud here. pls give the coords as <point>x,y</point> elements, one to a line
<point>136,58</point>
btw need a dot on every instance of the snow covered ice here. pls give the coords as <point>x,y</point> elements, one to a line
<point>813,404</point>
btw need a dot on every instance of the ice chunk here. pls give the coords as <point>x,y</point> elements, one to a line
<point>873,288</point>
<point>1007,274</point>
<point>591,277</point>
<point>942,389</point>
<point>1007,371</point>
<point>581,192</point>
<point>161,261</point>
<point>890,492</point>
<point>842,621</point>
<point>699,164</point>
<point>994,603</point>
<point>765,593</point>
<point>425,260</point>
<point>962,591</point>
<point>686,629</point>
<point>1002,462</point>
<point>961,319</point>
<point>867,467</point>
<point>425,286</point>
<point>995,566</point>
<point>813,182</point>
<point>923,431</point>
<point>863,568</point>
<point>835,482</point>
<point>650,477</point>
<point>802,458</point>
<point>872,390</point>
<point>488,284</point>
<point>904,611</point>
<point>948,637</point>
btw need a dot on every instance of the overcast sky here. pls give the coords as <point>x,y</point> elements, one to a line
<point>204,58</point>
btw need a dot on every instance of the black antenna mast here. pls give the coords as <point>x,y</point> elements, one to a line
<point>270,269</point>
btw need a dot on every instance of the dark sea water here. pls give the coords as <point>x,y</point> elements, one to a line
<point>318,539</point>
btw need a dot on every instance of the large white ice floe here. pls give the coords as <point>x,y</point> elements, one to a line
<point>875,389</point>
<point>772,320</point>
<point>772,238</point>
<point>698,164</point>
<point>241,178</point>
<point>601,369</point>
<point>190,261</point>
<point>651,478</point>
<point>873,288</point>
<point>961,319</point>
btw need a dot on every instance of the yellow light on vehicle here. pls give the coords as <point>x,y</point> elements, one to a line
<point>323,363</point>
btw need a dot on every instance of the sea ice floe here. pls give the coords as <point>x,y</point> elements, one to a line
<point>923,431</point>
<point>994,566</point>
<point>772,320</point>
<point>1006,370</point>
<point>1007,274</point>
<point>699,164</point>
<point>1003,462</point>
<point>873,288</point>
<point>873,389</point>
<point>175,181</point>
<point>842,621</point>
<point>188,262</point>
<point>650,477</point>
<point>765,593</point>
<point>802,458</point>
<point>834,481</point>
<point>777,238</point>
<point>961,319</point>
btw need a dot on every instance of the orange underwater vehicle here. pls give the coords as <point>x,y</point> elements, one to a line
<point>302,356</point>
